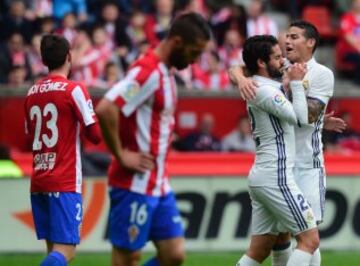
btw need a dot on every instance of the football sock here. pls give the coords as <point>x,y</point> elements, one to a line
<point>281,254</point>
<point>316,258</point>
<point>54,258</point>
<point>299,258</point>
<point>152,262</point>
<point>247,261</point>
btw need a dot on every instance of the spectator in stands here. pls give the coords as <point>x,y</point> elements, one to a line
<point>202,139</point>
<point>157,25</point>
<point>104,45</point>
<point>37,67</point>
<point>17,77</point>
<point>259,23</point>
<point>136,33</point>
<point>345,142</point>
<point>231,51</point>
<point>68,27</point>
<point>131,6</point>
<point>13,53</point>
<point>7,167</point>
<point>115,26</point>
<point>112,74</point>
<point>63,7</point>
<point>240,139</point>
<point>233,17</point>
<point>349,42</point>
<point>38,9</point>
<point>215,78</point>
<point>85,60</point>
<point>15,21</point>
<point>46,25</point>
<point>198,6</point>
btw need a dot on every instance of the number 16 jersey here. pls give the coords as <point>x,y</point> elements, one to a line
<point>55,111</point>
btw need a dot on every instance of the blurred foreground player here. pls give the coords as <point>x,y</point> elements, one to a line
<point>56,110</point>
<point>137,121</point>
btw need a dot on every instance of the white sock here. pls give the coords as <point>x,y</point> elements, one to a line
<point>299,258</point>
<point>281,255</point>
<point>316,258</point>
<point>247,261</point>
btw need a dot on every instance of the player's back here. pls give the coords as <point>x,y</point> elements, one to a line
<point>319,85</point>
<point>273,132</point>
<point>55,107</point>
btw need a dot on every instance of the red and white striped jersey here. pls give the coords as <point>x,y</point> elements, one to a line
<point>261,25</point>
<point>55,110</point>
<point>147,99</point>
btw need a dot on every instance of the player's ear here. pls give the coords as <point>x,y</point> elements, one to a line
<point>178,41</point>
<point>69,57</point>
<point>261,63</point>
<point>311,43</point>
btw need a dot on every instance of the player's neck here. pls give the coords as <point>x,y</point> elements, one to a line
<point>163,52</point>
<point>59,72</point>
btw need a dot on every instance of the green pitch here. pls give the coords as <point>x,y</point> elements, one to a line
<point>193,259</point>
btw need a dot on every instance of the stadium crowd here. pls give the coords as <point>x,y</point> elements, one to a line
<point>107,36</point>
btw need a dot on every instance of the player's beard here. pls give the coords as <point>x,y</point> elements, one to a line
<point>177,59</point>
<point>275,73</point>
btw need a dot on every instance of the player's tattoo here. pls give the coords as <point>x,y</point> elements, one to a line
<point>315,108</point>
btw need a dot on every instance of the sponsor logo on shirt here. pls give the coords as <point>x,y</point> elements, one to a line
<point>44,161</point>
<point>132,89</point>
<point>279,99</point>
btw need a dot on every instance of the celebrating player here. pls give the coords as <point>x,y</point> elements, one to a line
<point>277,202</point>
<point>56,110</point>
<point>137,121</point>
<point>302,39</point>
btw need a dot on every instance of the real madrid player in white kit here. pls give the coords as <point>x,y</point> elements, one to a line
<point>277,202</point>
<point>301,42</point>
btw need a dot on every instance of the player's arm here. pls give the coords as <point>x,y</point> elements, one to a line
<point>108,115</point>
<point>319,94</point>
<point>126,96</point>
<point>246,86</point>
<point>85,114</point>
<point>274,101</point>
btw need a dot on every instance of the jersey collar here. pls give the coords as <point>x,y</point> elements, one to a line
<point>268,81</point>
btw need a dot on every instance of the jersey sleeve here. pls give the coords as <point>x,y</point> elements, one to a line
<point>83,105</point>
<point>322,88</point>
<point>274,102</point>
<point>138,85</point>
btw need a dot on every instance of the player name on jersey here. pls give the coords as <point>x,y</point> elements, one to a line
<point>47,86</point>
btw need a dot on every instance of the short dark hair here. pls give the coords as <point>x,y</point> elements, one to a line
<point>310,31</point>
<point>258,47</point>
<point>190,27</point>
<point>54,50</point>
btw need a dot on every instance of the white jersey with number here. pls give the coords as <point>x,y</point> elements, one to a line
<point>319,84</point>
<point>272,118</point>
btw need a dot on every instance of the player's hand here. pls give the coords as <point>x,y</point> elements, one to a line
<point>332,123</point>
<point>137,161</point>
<point>246,86</point>
<point>296,72</point>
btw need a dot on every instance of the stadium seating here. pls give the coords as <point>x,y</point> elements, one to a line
<point>320,16</point>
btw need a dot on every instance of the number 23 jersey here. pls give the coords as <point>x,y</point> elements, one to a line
<point>55,111</point>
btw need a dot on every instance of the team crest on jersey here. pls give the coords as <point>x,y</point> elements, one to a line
<point>132,89</point>
<point>133,232</point>
<point>305,84</point>
<point>309,217</point>
<point>279,99</point>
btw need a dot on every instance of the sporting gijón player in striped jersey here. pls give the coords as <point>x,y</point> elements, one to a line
<point>56,111</point>
<point>142,204</point>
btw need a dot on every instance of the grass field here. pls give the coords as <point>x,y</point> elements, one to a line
<point>193,259</point>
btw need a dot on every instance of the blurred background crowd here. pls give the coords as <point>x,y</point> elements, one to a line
<point>107,36</point>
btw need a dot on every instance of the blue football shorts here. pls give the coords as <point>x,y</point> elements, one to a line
<point>57,216</point>
<point>136,218</point>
